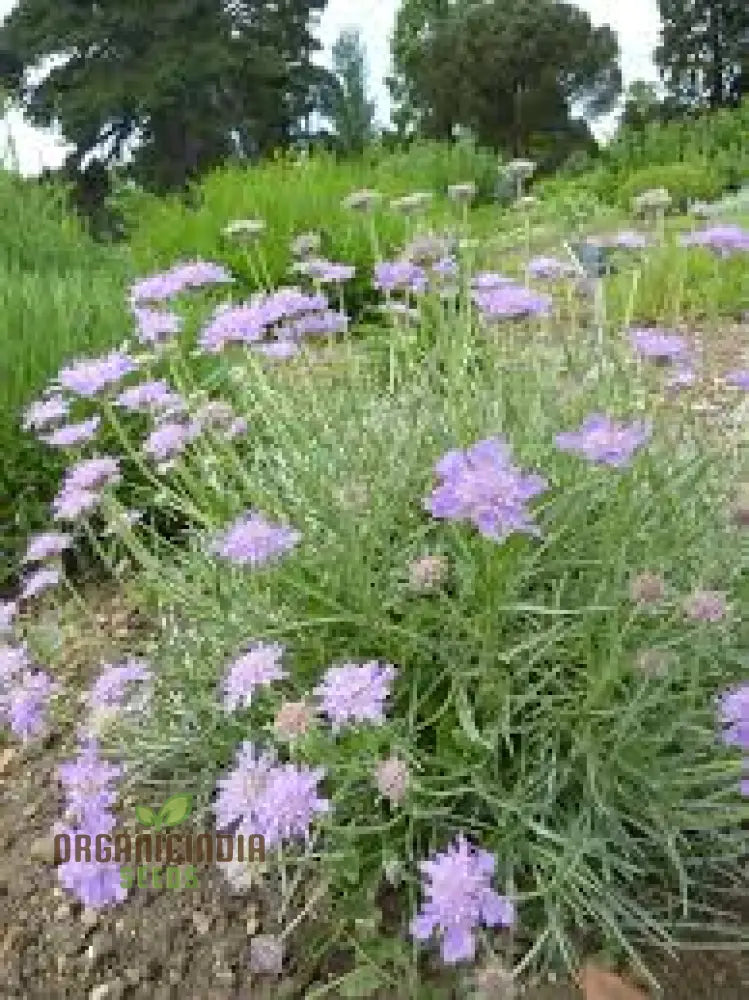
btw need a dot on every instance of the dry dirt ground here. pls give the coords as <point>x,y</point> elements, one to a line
<point>188,945</point>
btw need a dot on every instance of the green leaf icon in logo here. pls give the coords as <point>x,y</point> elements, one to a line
<point>145,815</point>
<point>176,809</point>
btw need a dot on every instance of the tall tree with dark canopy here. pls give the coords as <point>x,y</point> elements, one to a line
<point>191,80</point>
<point>507,69</point>
<point>704,51</point>
<point>352,113</point>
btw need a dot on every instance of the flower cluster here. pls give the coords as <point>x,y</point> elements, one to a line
<point>167,284</point>
<point>25,693</point>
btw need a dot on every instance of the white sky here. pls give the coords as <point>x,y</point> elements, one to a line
<point>636,22</point>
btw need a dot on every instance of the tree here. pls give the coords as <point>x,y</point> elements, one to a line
<point>190,80</point>
<point>642,105</point>
<point>704,52</point>
<point>507,69</point>
<point>352,113</point>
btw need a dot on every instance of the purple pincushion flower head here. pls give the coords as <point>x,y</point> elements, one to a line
<point>391,276</point>
<point>252,540</point>
<point>72,434</point>
<point>89,376</point>
<point>28,702</point>
<point>170,439</point>
<point>87,781</point>
<point>659,345</point>
<point>44,412</point>
<point>550,268</point>
<point>738,379</point>
<point>511,302</point>
<point>8,612</point>
<point>258,667</point>
<point>602,440</point>
<point>724,239</point>
<point>110,687</point>
<point>238,792</point>
<point>13,661</point>
<point>486,280</point>
<point>354,693</point>
<point>95,883</point>
<point>289,803</point>
<point>155,325</point>
<point>733,707</point>
<point>46,545</point>
<point>459,899</point>
<point>69,504</point>
<point>481,485</point>
<point>243,324</point>
<point>92,473</point>
<point>184,275</point>
<point>39,581</point>
<point>329,272</point>
<point>150,397</point>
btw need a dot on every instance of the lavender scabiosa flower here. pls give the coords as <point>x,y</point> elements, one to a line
<point>725,239</point>
<point>258,667</point>
<point>151,396</point>
<point>627,239</point>
<point>733,708</point>
<point>354,693</point>
<point>96,884</point>
<point>427,249</point>
<point>44,412</point>
<point>659,345</point>
<point>28,702</point>
<point>8,612</point>
<point>253,540</point>
<point>329,272</point>
<point>647,588</point>
<point>69,504</point>
<point>604,441</point>
<point>89,376</point>
<point>73,434</point>
<point>14,660</point>
<point>39,581</point>
<point>738,379</point>
<point>391,778</point>
<point>682,377</point>
<point>238,793</point>
<point>87,782</point>
<point>706,606</point>
<point>486,280</point>
<point>396,275</point>
<point>244,324</point>
<point>155,326</point>
<point>169,440</point>
<point>93,473</point>
<point>654,662</point>
<point>459,898</point>
<point>292,720</point>
<point>321,324</point>
<point>289,803</point>
<point>111,686</point>
<point>550,268</point>
<point>46,545</point>
<point>511,302</point>
<point>184,275</point>
<point>481,485</point>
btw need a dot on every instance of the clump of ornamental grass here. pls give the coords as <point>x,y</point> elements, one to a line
<point>486,746</point>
